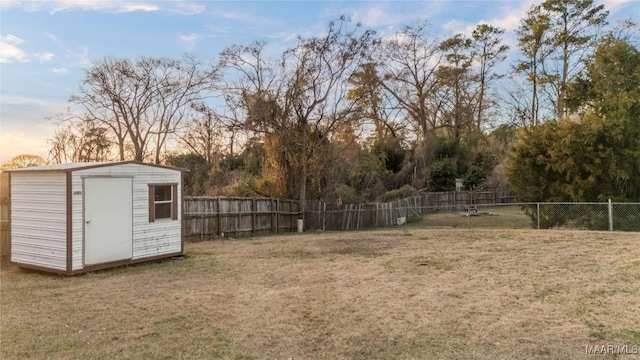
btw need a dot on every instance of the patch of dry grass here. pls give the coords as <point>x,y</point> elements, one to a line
<point>500,217</point>
<point>386,294</point>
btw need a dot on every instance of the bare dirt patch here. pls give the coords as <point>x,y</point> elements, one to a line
<point>404,293</point>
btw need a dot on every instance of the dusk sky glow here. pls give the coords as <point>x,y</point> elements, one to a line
<point>45,45</point>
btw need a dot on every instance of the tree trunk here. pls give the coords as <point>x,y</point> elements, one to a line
<point>534,99</point>
<point>303,173</point>
<point>303,189</point>
<point>481,98</point>
<point>121,149</point>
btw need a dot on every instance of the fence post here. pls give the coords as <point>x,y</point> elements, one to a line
<point>271,216</point>
<point>324,215</point>
<point>277,216</point>
<point>254,208</point>
<point>538,214</point>
<point>219,216</point>
<point>610,216</point>
<point>292,216</point>
<point>239,218</point>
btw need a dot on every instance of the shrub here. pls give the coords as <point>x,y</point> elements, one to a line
<point>347,195</point>
<point>474,176</point>
<point>398,194</point>
<point>574,216</point>
<point>441,176</point>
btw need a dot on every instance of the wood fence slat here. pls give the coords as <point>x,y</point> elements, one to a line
<point>234,216</point>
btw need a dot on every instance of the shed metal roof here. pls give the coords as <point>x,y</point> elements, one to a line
<point>87,165</point>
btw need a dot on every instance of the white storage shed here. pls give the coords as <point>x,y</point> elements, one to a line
<point>73,218</point>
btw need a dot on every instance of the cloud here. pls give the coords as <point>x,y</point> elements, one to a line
<point>189,8</point>
<point>54,38</point>
<point>62,70</point>
<point>373,16</point>
<point>190,40</point>
<point>92,5</point>
<point>80,59</point>
<point>15,143</point>
<point>55,6</point>
<point>132,7</point>
<point>615,5</point>
<point>238,16</point>
<point>44,56</point>
<point>9,50</point>
<point>507,17</point>
<point>26,125</point>
<point>510,16</point>
<point>7,4</point>
<point>112,6</point>
<point>390,15</point>
<point>457,26</point>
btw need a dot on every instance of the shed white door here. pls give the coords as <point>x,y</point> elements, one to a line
<point>108,220</point>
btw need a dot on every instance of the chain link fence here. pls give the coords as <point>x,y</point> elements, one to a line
<point>588,216</point>
<point>584,216</point>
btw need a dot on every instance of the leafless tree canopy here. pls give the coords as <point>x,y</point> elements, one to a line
<point>346,114</point>
<point>142,102</point>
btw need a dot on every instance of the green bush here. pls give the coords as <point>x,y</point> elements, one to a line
<point>398,194</point>
<point>574,216</point>
<point>347,195</point>
<point>474,176</point>
<point>441,176</point>
<point>195,178</point>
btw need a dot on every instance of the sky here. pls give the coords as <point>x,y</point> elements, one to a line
<point>45,46</point>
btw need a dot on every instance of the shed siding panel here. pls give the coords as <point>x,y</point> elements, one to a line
<point>149,239</point>
<point>77,223</point>
<point>38,219</point>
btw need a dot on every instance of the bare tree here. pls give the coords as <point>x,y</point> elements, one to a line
<point>489,51</point>
<point>454,73</point>
<point>302,99</point>
<point>80,141</point>
<point>371,106</point>
<point>534,39</point>
<point>24,160</point>
<point>204,135</point>
<point>574,24</point>
<point>142,102</point>
<point>408,67</point>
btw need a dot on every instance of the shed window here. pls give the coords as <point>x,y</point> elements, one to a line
<point>163,203</point>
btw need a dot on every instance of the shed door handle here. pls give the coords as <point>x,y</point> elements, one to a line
<point>88,221</point>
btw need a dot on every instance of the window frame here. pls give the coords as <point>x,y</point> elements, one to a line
<point>153,202</point>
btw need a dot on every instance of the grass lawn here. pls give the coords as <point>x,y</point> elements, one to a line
<point>503,216</point>
<point>405,293</point>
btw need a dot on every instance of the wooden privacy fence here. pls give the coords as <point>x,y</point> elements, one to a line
<point>325,216</point>
<point>206,216</point>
